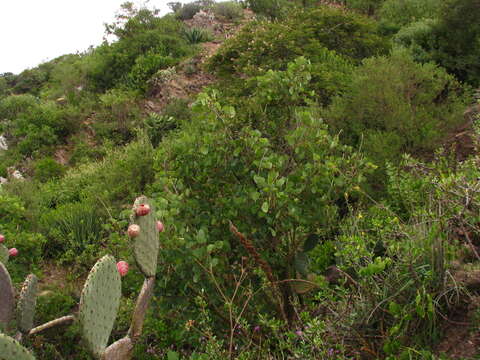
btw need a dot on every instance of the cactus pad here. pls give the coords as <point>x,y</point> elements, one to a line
<point>3,254</point>
<point>146,244</point>
<point>11,349</point>
<point>99,304</point>
<point>7,297</point>
<point>26,303</point>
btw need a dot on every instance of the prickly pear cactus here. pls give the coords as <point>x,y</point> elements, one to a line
<point>3,254</point>
<point>7,298</point>
<point>26,303</point>
<point>99,304</point>
<point>11,349</point>
<point>147,242</point>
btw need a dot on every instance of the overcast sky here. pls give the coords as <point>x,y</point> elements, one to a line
<point>35,31</point>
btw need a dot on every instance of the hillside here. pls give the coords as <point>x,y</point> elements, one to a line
<point>310,182</point>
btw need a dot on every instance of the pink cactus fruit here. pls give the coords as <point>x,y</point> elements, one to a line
<point>2,238</point>
<point>133,230</point>
<point>142,209</point>
<point>122,267</point>
<point>160,226</point>
<point>13,252</point>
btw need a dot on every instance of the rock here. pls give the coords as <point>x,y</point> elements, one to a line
<point>3,143</point>
<point>14,174</point>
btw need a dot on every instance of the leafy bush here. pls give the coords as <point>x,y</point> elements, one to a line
<point>272,9</point>
<point>229,10</point>
<point>13,106</point>
<point>178,109</point>
<point>394,105</point>
<point>157,126</point>
<point>280,182</point>
<point>400,13</point>
<point>417,38</point>
<point>118,115</point>
<point>145,66</point>
<point>32,80</point>
<point>188,11</point>
<point>260,46</point>
<point>34,124</point>
<point>84,152</point>
<point>110,64</point>
<point>456,39</point>
<point>12,211</point>
<point>450,40</point>
<point>119,177</point>
<point>47,169</point>
<point>369,7</point>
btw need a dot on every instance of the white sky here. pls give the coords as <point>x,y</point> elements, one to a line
<point>35,31</point>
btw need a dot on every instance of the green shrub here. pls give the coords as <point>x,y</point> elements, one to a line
<point>456,39</point>
<point>47,169</point>
<point>110,64</point>
<point>157,126</point>
<point>84,152</point>
<point>118,115</point>
<point>271,9</point>
<point>32,80</point>
<point>35,124</point>
<point>369,7</point>
<point>13,106</point>
<point>450,40</point>
<point>260,46</point>
<point>394,105</point>
<point>30,247</point>
<point>400,13</point>
<point>12,211</point>
<point>417,37</point>
<point>280,177</point>
<point>67,76</point>
<point>229,10</point>
<point>188,11</point>
<point>147,65</point>
<point>119,177</point>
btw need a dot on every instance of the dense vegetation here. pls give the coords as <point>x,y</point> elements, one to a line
<point>313,202</point>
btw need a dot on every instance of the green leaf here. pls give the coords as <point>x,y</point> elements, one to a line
<point>255,195</point>
<point>265,207</point>
<point>311,242</point>
<point>394,308</point>
<point>301,286</point>
<point>173,355</point>
<point>301,263</point>
<point>260,181</point>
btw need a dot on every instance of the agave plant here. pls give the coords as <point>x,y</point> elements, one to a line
<point>195,35</point>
